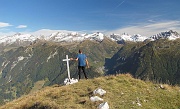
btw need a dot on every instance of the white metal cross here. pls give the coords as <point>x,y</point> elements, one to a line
<point>67,60</point>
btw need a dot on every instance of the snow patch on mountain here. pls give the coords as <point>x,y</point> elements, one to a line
<point>13,64</point>
<point>10,79</point>
<point>20,58</point>
<point>51,55</point>
<point>4,64</point>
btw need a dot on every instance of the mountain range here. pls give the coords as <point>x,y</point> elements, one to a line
<point>77,37</point>
<point>29,63</point>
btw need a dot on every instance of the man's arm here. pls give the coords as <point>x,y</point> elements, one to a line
<point>74,59</point>
<point>87,63</point>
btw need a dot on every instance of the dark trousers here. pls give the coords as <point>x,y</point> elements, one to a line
<point>81,68</point>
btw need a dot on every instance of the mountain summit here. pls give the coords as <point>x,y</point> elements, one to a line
<point>123,92</point>
<point>171,35</point>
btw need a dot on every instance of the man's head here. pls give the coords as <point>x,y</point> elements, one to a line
<point>80,51</point>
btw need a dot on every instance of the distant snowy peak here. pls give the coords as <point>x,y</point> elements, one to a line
<point>127,37</point>
<point>171,35</point>
<point>97,36</point>
<point>74,36</point>
<point>17,38</point>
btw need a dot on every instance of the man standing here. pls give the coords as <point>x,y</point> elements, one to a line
<point>82,63</point>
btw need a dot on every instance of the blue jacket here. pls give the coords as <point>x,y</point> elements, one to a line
<point>81,59</point>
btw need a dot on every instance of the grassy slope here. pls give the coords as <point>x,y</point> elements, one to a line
<point>123,92</point>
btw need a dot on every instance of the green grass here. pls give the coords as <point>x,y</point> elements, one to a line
<point>123,92</point>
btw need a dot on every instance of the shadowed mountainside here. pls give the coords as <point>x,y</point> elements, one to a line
<point>158,61</point>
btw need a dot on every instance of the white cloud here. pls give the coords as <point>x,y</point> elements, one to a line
<point>164,24</point>
<point>7,34</point>
<point>3,24</point>
<point>47,32</point>
<point>44,32</point>
<point>145,29</point>
<point>149,29</point>
<point>22,26</point>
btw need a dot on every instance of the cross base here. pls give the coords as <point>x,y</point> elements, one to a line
<point>68,81</point>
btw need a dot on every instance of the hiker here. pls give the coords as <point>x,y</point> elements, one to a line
<point>82,63</point>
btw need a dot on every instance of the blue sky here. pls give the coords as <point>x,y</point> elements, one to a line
<point>145,17</point>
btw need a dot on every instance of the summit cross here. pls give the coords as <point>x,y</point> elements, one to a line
<point>67,61</point>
